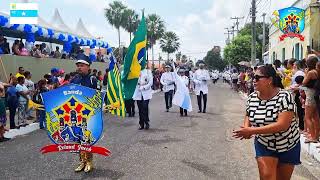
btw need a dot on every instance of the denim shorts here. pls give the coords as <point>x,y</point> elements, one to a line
<point>289,157</point>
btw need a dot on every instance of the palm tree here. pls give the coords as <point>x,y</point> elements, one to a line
<point>116,16</point>
<point>156,29</point>
<point>131,21</point>
<point>178,56</point>
<point>169,43</point>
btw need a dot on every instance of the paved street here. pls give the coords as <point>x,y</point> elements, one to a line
<point>196,147</point>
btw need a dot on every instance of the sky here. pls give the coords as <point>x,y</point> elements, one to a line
<point>200,24</point>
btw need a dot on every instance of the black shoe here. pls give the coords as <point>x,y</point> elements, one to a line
<point>147,126</point>
<point>185,114</point>
<point>204,111</point>
<point>141,128</point>
<point>167,110</point>
<point>4,139</point>
<point>199,111</point>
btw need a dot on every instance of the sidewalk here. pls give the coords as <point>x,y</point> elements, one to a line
<point>309,148</point>
<point>12,133</point>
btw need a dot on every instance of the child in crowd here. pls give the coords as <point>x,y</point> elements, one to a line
<point>42,88</point>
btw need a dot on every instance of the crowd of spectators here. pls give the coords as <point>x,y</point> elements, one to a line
<point>41,50</point>
<point>301,78</point>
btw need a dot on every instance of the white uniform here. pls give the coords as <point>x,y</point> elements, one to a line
<point>185,80</point>
<point>167,80</point>
<point>201,78</point>
<point>144,84</point>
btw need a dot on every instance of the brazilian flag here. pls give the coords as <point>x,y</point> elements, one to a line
<point>135,60</point>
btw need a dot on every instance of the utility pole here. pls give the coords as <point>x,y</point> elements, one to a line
<point>232,31</point>
<point>254,36</point>
<point>228,33</point>
<point>237,21</point>
<point>264,34</point>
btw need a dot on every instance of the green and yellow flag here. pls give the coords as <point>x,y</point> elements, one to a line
<point>115,102</point>
<point>135,60</point>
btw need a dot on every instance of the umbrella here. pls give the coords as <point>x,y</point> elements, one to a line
<point>244,63</point>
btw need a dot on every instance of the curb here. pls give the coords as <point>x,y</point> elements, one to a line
<point>310,148</point>
<point>12,133</point>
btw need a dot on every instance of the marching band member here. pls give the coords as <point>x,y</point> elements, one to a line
<point>143,94</point>
<point>167,80</point>
<point>201,78</point>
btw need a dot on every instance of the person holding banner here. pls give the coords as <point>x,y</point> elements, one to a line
<point>167,80</point>
<point>143,94</point>
<point>85,79</point>
<point>201,78</point>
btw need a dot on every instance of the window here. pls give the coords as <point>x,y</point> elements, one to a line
<point>283,54</point>
<point>274,56</point>
<point>297,51</point>
<point>301,53</point>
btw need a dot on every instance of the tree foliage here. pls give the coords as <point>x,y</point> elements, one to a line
<point>214,60</point>
<point>240,47</point>
<point>169,42</point>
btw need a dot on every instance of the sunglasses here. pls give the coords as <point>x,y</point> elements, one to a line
<point>257,77</point>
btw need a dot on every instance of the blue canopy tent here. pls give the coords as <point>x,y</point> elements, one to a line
<point>36,32</point>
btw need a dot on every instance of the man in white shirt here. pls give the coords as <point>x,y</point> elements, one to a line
<point>201,78</point>
<point>167,80</point>
<point>142,94</point>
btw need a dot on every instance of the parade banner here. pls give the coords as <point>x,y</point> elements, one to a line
<point>291,21</point>
<point>74,119</point>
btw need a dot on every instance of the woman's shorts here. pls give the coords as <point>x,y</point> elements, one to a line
<point>289,157</point>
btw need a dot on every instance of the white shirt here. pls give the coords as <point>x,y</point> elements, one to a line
<point>214,75</point>
<point>201,78</point>
<point>185,80</point>
<point>29,84</point>
<point>22,88</point>
<point>143,88</point>
<point>167,80</point>
<point>234,76</point>
<point>298,73</point>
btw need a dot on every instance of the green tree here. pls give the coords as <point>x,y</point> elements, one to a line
<point>131,21</point>
<point>238,50</point>
<point>247,29</point>
<point>155,30</point>
<point>178,56</point>
<point>214,60</point>
<point>169,43</point>
<point>116,16</point>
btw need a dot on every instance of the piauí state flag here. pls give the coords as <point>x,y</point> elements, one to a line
<point>135,60</point>
<point>115,103</point>
<point>23,13</point>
